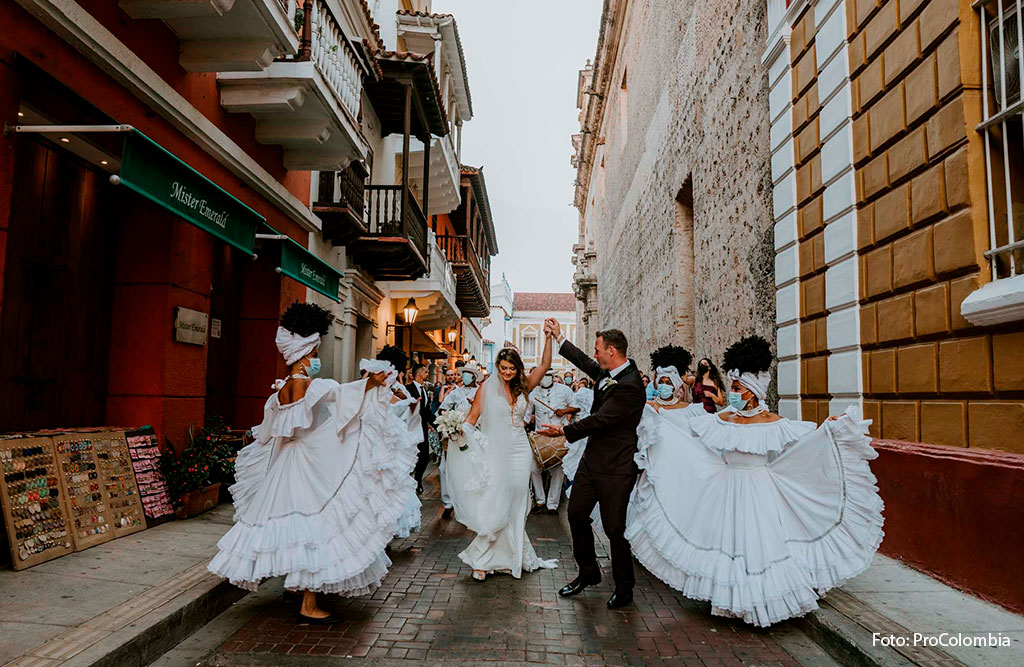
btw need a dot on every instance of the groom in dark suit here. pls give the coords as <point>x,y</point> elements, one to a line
<point>607,473</point>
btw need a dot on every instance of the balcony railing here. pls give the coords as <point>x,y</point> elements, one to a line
<point>385,216</point>
<point>332,52</point>
<point>340,203</point>
<point>474,291</point>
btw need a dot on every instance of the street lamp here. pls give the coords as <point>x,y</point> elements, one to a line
<point>410,311</point>
<point>465,355</point>
<point>452,336</point>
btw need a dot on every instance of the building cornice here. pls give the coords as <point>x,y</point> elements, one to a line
<point>81,30</point>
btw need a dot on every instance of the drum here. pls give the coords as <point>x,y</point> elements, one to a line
<point>548,451</point>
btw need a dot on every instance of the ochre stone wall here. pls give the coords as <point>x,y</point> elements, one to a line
<point>929,375</point>
<point>688,99</point>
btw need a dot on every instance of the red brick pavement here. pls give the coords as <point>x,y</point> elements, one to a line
<point>429,608</point>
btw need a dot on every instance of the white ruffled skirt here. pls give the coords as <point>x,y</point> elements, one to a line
<point>320,509</point>
<point>760,540</point>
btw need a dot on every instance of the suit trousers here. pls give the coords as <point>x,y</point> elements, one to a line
<point>612,492</point>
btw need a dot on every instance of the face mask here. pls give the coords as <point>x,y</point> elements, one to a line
<point>665,391</point>
<point>546,382</point>
<point>467,379</point>
<point>568,379</point>
<point>736,400</point>
<point>314,367</point>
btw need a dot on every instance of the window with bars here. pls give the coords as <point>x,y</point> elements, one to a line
<point>529,345</point>
<point>1002,127</point>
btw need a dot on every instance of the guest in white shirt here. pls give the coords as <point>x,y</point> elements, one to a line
<point>550,403</point>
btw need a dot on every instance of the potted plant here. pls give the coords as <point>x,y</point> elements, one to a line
<point>194,476</point>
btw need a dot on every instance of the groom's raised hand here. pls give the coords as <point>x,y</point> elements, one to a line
<point>552,327</point>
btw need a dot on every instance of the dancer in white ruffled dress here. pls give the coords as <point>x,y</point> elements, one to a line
<point>319,493</point>
<point>756,513</point>
<point>488,470</point>
<point>406,410</point>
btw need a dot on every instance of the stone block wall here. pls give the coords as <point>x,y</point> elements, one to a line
<point>922,228</point>
<point>687,101</point>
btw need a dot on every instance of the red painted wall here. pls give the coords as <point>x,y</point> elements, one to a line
<point>957,515</point>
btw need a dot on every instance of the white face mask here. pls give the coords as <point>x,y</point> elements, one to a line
<point>547,381</point>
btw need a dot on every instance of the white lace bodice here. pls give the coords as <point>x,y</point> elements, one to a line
<point>517,413</point>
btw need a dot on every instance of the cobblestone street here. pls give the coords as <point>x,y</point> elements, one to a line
<point>430,609</point>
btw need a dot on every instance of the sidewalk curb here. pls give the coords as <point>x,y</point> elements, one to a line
<point>846,641</point>
<point>140,643</point>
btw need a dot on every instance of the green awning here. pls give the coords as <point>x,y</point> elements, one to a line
<point>303,266</point>
<point>158,175</point>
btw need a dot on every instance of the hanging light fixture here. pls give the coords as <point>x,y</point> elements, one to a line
<point>465,355</point>
<point>451,337</point>
<point>410,311</point>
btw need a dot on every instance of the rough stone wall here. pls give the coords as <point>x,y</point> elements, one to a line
<point>694,106</point>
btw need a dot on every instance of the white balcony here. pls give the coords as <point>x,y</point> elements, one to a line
<point>434,292</point>
<point>224,35</point>
<point>445,173</point>
<point>309,104</point>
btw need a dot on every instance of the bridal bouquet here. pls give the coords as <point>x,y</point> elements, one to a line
<point>449,425</point>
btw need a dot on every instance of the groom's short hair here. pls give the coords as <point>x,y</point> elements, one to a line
<point>614,338</point>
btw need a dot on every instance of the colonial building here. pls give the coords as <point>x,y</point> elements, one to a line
<point>672,186</point>
<point>845,177</point>
<point>195,169</point>
<point>529,310</point>
<point>898,176</point>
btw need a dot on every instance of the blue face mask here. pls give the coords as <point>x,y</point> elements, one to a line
<point>314,367</point>
<point>467,379</point>
<point>665,391</point>
<point>736,400</point>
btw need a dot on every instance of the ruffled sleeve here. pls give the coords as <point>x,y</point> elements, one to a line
<point>723,436</point>
<point>851,430</point>
<point>281,421</point>
<point>348,402</point>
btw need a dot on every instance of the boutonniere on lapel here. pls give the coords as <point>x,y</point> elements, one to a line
<point>608,383</point>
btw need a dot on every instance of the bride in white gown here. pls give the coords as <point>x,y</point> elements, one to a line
<point>488,470</point>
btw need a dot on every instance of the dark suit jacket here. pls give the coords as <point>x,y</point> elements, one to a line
<point>611,425</point>
<point>426,414</point>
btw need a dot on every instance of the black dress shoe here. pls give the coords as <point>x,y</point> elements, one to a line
<point>447,513</point>
<point>620,600</point>
<point>576,586</point>
<point>330,619</point>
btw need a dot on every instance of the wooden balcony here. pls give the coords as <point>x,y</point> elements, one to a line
<point>341,204</point>
<point>394,246</point>
<point>472,273</point>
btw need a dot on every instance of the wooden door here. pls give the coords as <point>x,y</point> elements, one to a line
<point>58,288</point>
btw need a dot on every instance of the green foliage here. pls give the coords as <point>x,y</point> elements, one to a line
<point>209,458</point>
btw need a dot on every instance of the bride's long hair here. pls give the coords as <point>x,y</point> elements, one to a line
<point>517,385</point>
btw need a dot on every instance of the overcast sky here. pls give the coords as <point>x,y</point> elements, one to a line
<point>522,59</point>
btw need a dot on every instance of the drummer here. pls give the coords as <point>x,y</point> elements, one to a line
<point>460,398</point>
<point>550,403</point>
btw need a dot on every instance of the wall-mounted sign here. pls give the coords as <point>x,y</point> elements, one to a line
<point>215,327</point>
<point>190,326</point>
<point>161,177</point>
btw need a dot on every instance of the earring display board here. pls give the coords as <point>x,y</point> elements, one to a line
<point>88,511</point>
<point>145,454</point>
<point>118,483</point>
<point>32,491</point>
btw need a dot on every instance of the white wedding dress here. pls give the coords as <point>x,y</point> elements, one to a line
<point>759,519</point>
<point>320,493</point>
<point>489,483</point>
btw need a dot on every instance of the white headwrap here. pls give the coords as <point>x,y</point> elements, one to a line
<point>293,346</point>
<point>669,372</point>
<point>380,366</point>
<point>758,384</point>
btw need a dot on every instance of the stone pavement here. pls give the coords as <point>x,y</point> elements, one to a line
<point>430,609</point>
<point>94,604</point>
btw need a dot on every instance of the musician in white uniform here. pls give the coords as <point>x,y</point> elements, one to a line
<point>550,403</point>
<point>460,398</point>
